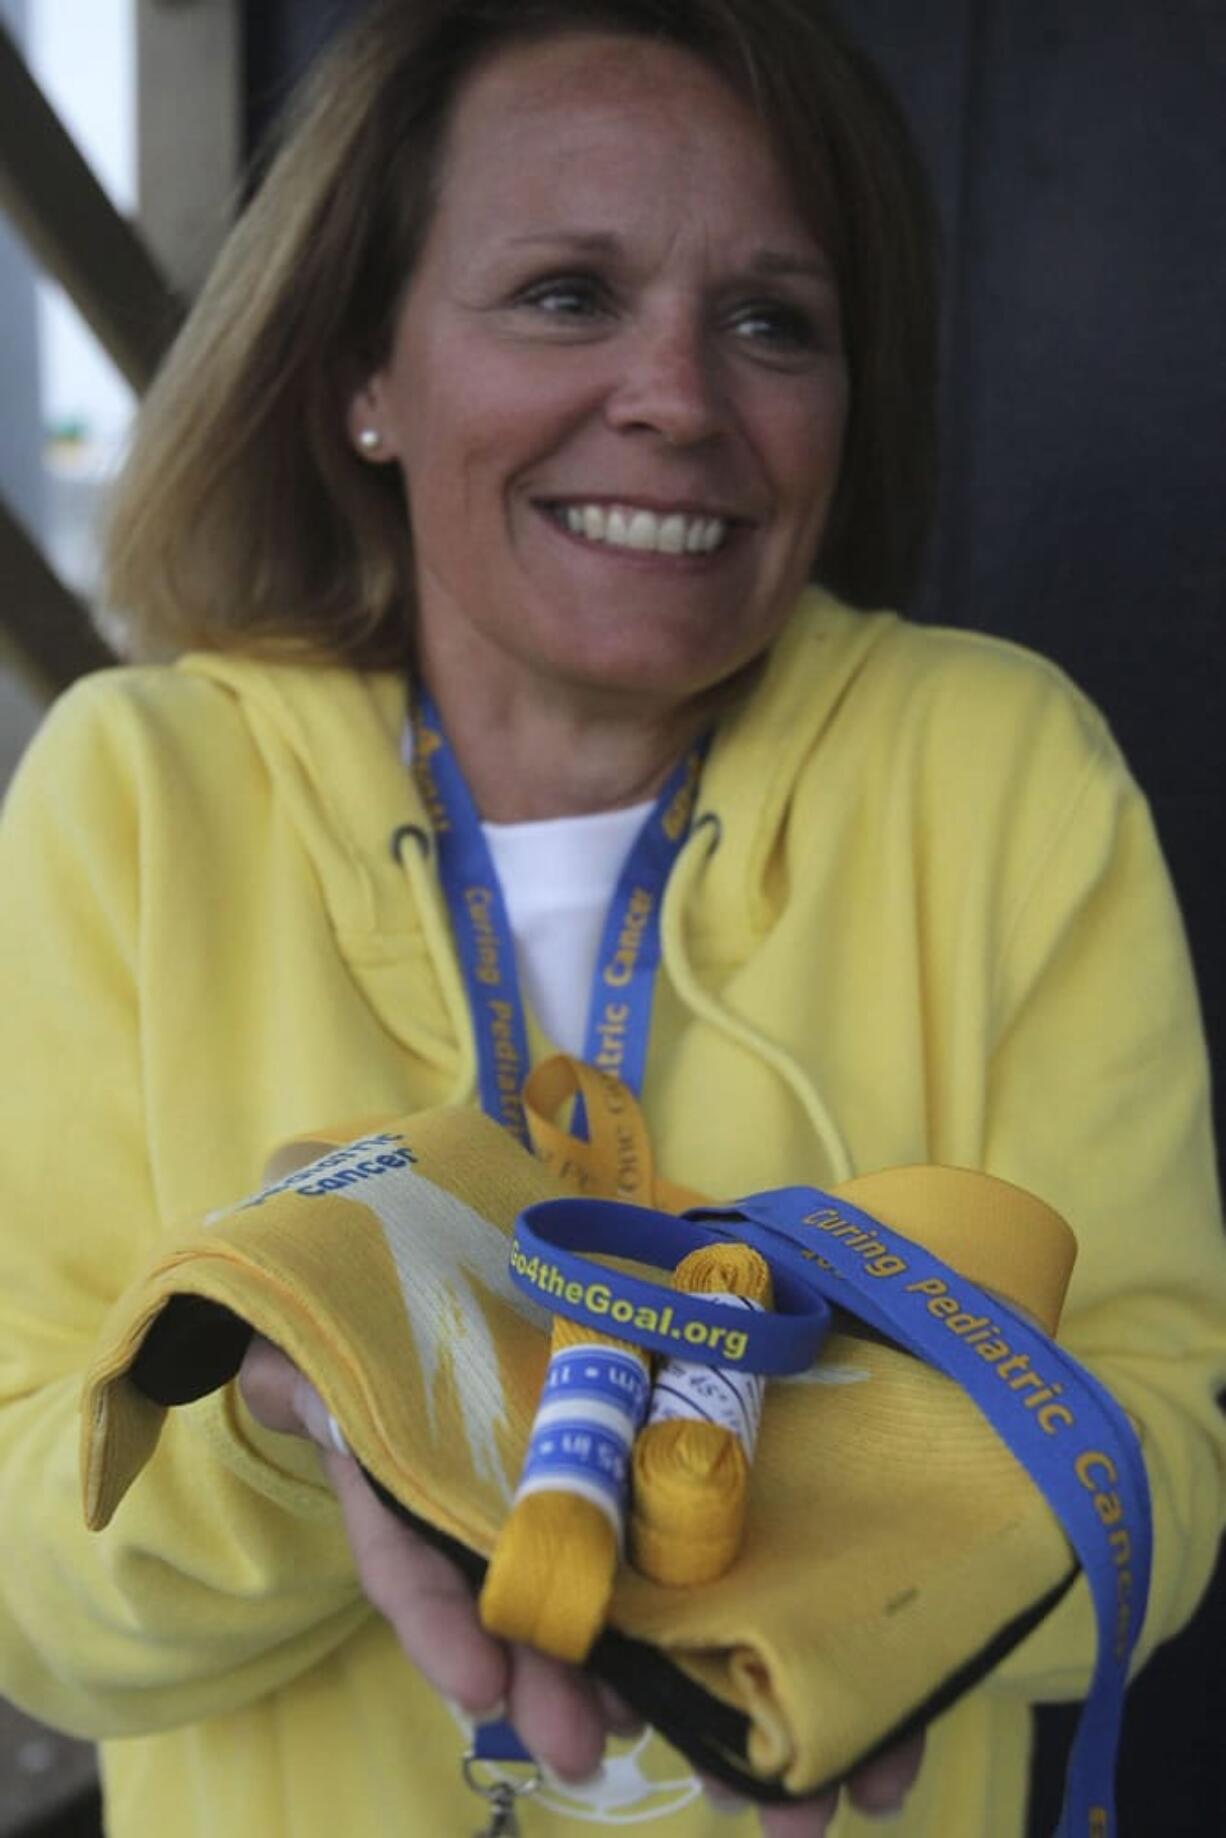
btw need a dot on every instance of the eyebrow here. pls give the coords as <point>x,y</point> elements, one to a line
<point>766,262</point>
<point>778,261</point>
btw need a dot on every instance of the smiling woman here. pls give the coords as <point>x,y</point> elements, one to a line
<point>650,351</point>
<point>208,534</point>
<point>519,496</point>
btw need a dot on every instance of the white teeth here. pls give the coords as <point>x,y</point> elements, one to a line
<point>623,527</point>
<point>644,530</point>
<point>672,536</point>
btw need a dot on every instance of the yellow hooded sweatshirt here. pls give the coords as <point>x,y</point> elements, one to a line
<point>922,917</point>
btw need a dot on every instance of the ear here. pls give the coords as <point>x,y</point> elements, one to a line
<point>363,422</point>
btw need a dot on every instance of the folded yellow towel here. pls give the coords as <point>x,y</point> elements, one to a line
<point>893,1548</point>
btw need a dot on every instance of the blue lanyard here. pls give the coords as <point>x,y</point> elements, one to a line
<point>1073,1439</point>
<point>619,1009</point>
<point>623,987</point>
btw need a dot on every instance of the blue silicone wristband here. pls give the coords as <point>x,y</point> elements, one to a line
<point>545,1265</point>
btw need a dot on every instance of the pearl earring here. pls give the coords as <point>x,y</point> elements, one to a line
<point>370,440</point>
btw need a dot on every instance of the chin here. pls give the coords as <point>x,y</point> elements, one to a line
<point>651,662</point>
<point>660,681</point>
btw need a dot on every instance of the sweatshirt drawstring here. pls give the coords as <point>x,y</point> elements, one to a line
<point>707,1007</point>
<point>413,849</point>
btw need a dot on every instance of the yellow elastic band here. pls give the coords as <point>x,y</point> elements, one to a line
<point>1001,1237</point>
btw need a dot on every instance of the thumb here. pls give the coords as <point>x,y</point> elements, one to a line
<point>316,1419</point>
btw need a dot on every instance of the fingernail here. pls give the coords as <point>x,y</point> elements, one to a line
<point>478,1718</point>
<point>722,1799</point>
<point>317,1420</point>
<point>567,1783</point>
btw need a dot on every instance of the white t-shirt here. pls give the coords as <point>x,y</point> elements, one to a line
<point>558,877</point>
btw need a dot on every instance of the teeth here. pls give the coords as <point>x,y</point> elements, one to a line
<point>672,536</point>
<point>625,528</point>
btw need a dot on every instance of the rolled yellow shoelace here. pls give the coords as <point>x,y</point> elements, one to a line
<point>691,1467</point>
<point>555,1560</point>
<point>551,1573</point>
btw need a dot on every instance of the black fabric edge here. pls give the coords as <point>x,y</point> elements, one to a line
<point>712,1735</point>
<point>196,1345</point>
<point>191,1347</point>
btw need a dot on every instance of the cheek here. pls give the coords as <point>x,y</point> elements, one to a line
<point>471,444</point>
<point>450,463</point>
<point>799,441</point>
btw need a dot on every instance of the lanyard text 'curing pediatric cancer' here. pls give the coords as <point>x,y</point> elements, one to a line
<point>619,1009</point>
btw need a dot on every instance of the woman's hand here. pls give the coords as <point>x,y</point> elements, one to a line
<point>563,1716</point>
<point>878,1789</point>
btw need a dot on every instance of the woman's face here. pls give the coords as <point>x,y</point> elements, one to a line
<point>616,390</point>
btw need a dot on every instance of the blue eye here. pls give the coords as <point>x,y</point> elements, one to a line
<point>777,327</point>
<point>564,296</point>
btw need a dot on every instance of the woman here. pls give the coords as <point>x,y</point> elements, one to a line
<point>562,347</point>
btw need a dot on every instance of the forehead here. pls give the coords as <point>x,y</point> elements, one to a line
<point>604,122</point>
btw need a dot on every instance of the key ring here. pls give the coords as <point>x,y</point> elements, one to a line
<point>500,1790</point>
<point>520,1789</point>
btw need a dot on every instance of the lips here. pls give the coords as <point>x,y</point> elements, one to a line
<point>631,526</point>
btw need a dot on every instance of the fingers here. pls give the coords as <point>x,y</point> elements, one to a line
<point>562,1716</point>
<point>423,1595</point>
<point>281,1398</point>
<point>268,1381</point>
<point>882,1786</point>
<point>557,1713</point>
<point>878,1789</point>
<point>806,1819</point>
<point>620,1718</point>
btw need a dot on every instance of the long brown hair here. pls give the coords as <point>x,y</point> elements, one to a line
<point>243,518</point>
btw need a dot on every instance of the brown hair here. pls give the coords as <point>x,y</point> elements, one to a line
<point>243,518</point>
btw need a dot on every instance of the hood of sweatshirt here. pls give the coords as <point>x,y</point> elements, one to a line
<point>330,739</point>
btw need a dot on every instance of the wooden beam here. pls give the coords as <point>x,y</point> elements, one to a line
<point>74,231</point>
<point>45,624</point>
<point>189,112</point>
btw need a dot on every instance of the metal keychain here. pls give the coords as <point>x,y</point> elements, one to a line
<point>500,1793</point>
<point>502,1821</point>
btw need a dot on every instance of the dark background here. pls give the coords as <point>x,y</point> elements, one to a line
<point>1079,153</point>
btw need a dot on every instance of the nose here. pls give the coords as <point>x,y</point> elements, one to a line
<point>668,383</point>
